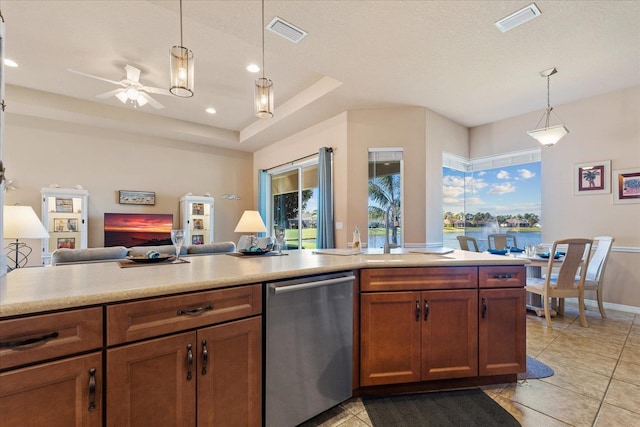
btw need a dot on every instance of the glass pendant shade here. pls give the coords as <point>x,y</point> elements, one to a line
<point>549,135</point>
<point>264,98</point>
<point>182,65</point>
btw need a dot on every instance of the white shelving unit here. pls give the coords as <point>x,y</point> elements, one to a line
<point>196,218</point>
<point>65,216</point>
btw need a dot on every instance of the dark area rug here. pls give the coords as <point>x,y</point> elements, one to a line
<point>462,408</point>
<point>535,369</point>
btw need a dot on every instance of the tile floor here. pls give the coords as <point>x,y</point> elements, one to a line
<point>596,380</point>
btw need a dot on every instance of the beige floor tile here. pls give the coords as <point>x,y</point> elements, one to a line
<point>564,352</point>
<point>566,375</point>
<point>578,346</point>
<point>352,421</point>
<point>558,403</point>
<point>631,351</point>
<point>613,416</point>
<point>623,395</point>
<point>528,417</point>
<point>364,416</point>
<point>635,330</point>
<point>353,405</point>
<point>627,372</point>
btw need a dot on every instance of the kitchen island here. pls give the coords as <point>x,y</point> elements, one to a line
<point>122,323</point>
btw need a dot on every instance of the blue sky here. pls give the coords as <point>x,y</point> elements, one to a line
<point>502,191</point>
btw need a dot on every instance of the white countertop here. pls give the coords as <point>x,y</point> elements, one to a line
<point>39,289</point>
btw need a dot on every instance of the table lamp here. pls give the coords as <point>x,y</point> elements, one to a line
<point>250,222</point>
<point>21,222</point>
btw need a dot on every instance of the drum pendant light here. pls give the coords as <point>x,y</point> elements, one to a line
<point>263,91</point>
<point>181,62</point>
<point>548,135</point>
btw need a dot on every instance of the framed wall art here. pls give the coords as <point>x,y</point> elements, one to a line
<point>592,178</point>
<point>65,224</point>
<point>66,242</point>
<point>626,186</point>
<point>64,205</point>
<point>127,197</point>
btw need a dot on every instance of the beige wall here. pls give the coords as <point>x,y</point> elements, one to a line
<point>605,127</point>
<point>40,152</point>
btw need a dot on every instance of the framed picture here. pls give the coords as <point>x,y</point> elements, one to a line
<point>64,205</point>
<point>626,186</point>
<point>592,178</point>
<point>197,239</point>
<point>65,224</point>
<point>66,242</point>
<point>137,197</point>
<point>197,209</point>
<point>198,224</point>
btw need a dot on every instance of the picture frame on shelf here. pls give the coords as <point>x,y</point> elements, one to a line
<point>198,224</point>
<point>626,186</point>
<point>197,239</point>
<point>592,178</point>
<point>64,205</point>
<point>66,243</point>
<point>197,209</point>
<point>65,224</point>
<point>128,197</point>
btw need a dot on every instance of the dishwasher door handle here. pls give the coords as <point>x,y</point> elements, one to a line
<point>281,289</point>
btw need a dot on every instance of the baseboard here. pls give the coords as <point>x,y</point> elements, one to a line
<point>609,305</point>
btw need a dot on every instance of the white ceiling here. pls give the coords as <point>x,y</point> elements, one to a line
<point>444,55</point>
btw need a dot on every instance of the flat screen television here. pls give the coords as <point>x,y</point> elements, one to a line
<point>128,229</point>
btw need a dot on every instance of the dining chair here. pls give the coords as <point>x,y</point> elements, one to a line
<point>468,244</point>
<point>596,268</point>
<point>500,241</point>
<point>564,284</point>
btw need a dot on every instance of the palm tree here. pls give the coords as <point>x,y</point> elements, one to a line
<point>590,175</point>
<point>384,192</point>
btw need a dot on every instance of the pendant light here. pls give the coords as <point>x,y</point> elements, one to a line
<point>263,91</point>
<point>548,135</point>
<point>181,68</point>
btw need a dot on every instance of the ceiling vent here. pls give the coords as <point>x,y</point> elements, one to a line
<point>518,18</point>
<point>286,30</point>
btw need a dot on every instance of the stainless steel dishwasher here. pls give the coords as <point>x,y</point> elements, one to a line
<point>309,347</point>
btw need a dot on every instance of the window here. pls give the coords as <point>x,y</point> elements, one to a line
<point>385,197</point>
<point>294,204</point>
<point>497,194</point>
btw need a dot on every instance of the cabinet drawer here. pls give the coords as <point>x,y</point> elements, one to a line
<point>33,339</point>
<point>507,276</point>
<point>404,279</point>
<point>144,319</point>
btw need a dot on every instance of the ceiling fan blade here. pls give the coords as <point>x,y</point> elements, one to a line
<point>95,77</point>
<point>110,93</point>
<point>157,90</point>
<point>155,104</point>
<point>133,74</point>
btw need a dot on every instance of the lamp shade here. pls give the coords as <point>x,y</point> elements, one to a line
<point>21,222</point>
<point>549,135</point>
<point>181,72</point>
<point>250,222</point>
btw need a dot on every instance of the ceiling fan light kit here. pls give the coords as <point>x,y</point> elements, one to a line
<point>182,65</point>
<point>263,91</point>
<point>548,135</point>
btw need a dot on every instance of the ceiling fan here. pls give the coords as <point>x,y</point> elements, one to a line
<point>131,90</point>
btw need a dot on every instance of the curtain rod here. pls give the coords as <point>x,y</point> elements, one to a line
<point>329,149</point>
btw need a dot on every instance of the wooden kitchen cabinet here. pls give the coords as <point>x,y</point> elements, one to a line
<point>209,375</point>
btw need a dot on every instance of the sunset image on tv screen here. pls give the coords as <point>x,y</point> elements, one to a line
<point>126,229</point>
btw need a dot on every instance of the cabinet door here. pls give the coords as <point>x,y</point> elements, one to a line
<point>502,331</point>
<point>390,337</point>
<point>230,374</point>
<point>65,393</point>
<point>449,334</point>
<point>153,383</point>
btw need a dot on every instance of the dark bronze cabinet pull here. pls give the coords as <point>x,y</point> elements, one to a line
<point>189,362</point>
<point>205,357</point>
<point>484,307</point>
<point>502,276</point>
<point>29,341</point>
<point>195,310</point>
<point>92,389</point>
<point>417,310</point>
<point>426,309</point>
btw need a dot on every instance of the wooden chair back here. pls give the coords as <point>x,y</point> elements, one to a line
<point>468,244</point>
<point>500,241</point>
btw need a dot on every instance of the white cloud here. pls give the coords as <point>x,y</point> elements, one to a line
<point>503,175</point>
<point>448,191</point>
<point>501,189</point>
<point>526,173</point>
<point>482,173</point>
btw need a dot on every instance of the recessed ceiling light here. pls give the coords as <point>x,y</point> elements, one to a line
<point>253,68</point>
<point>211,110</point>
<point>10,62</point>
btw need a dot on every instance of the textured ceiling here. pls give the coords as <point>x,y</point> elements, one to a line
<point>444,55</point>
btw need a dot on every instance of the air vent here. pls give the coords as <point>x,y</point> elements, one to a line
<point>518,18</point>
<point>286,30</point>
